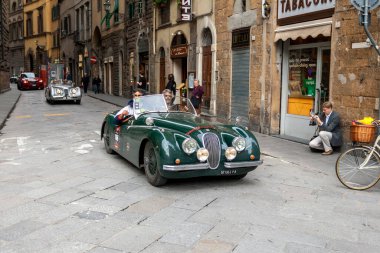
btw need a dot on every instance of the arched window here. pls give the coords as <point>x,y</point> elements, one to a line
<point>206,37</point>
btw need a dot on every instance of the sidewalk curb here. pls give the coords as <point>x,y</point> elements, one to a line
<point>2,124</point>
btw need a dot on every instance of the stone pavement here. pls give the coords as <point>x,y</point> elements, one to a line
<point>289,151</point>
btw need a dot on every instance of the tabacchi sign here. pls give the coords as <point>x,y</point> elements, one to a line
<point>185,10</point>
<point>291,8</point>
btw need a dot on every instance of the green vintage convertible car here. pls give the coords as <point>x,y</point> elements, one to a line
<point>176,143</point>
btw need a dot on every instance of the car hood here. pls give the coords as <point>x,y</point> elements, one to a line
<point>185,123</point>
<point>61,86</point>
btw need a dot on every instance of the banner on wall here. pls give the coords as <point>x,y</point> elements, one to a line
<point>186,10</point>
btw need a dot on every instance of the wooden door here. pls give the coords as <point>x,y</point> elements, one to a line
<point>206,76</point>
<point>162,74</point>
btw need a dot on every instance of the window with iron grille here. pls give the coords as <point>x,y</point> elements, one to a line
<point>165,14</point>
<point>40,20</point>
<point>55,12</point>
<point>29,24</point>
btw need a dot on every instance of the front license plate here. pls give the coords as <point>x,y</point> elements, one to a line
<point>228,172</point>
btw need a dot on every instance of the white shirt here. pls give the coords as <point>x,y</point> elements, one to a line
<point>127,108</point>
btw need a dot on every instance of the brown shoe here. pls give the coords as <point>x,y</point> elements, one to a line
<point>329,152</point>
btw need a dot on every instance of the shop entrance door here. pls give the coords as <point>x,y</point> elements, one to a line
<point>306,73</point>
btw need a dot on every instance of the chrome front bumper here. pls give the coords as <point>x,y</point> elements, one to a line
<point>206,166</point>
<point>231,165</point>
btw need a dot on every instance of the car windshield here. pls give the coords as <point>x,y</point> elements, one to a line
<point>61,82</point>
<point>157,103</point>
<point>150,103</point>
<point>30,75</point>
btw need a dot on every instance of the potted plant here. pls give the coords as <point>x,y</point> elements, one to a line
<point>160,3</point>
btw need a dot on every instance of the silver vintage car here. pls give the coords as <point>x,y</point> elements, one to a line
<point>62,90</point>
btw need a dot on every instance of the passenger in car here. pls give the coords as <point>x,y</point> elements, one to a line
<point>127,111</point>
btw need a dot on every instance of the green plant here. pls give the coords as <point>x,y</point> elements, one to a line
<point>160,2</point>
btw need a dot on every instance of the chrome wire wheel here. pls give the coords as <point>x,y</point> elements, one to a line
<point>355,175</point>
<point>151,166</point>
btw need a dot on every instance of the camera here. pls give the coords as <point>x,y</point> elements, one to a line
<point>312,121</point>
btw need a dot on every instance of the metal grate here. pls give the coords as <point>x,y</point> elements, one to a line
<point>212,144</point>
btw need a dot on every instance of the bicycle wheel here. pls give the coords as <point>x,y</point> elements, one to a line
<point>350,174</point>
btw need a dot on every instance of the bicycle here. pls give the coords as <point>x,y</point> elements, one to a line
<point>358,168</point>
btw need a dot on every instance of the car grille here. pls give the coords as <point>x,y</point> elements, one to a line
<point>66,92</point>
<point>212,144</point>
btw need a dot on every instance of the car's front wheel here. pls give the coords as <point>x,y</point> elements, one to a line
<point>106,138</point>
<point>151,166</point>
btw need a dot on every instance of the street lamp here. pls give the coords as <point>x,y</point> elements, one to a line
<point>107,8</point>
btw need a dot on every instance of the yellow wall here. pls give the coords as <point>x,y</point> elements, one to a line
<point>44,39</point>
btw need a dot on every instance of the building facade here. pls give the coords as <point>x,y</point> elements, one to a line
<point>109,45</point>
<point>67,35</point>
<point>186,37</point>
<point>139,43</point>
<point>41,35</point>
<point>279,60</point>
<point>16,37</point>
<point>4,37</point>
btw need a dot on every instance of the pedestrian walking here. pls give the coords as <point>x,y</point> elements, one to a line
<point>85,82</point>
<point>96,82</point>
<point>171,85</point>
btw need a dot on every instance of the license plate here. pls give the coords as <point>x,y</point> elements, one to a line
<point>228,172</point>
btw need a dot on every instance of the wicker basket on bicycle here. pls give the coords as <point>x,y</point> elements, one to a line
<point>362,133</point>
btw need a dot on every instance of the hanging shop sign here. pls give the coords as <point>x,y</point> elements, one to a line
<point>186,10</point>
<point>178,51</point>
<point>296,11</point>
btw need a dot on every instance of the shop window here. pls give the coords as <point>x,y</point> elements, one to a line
<point>302,80</point>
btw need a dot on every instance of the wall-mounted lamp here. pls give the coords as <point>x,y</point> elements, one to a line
<point>265,9</point>
<point>176,33</point>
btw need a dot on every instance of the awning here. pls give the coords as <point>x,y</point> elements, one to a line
<point>304,30</point>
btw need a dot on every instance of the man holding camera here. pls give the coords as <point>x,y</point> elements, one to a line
<point>329,130</point>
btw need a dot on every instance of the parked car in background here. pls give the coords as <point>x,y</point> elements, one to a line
<point>62,90</point>
<point>29,81</point>
<point>13,79</point>
<point>179,144</point>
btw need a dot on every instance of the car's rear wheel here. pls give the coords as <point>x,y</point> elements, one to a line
<point>151,166</point>
<point>106,138</point>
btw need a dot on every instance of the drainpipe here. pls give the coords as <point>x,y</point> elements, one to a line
<point>365,23</point>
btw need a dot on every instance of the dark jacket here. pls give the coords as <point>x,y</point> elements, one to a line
<point>333,126</point>
<point>171,85</point>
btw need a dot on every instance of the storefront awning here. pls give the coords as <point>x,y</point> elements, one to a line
<point>303,30</point>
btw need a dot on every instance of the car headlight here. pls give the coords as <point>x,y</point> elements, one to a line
<point>202,154</point>
<point>58,91</point>
<point>239,144</point>
<point>73,91</point>
<point>189,146</point>
<point>149,121</point>
<point>230,153</point>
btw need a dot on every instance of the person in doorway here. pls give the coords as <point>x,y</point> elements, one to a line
<point>96,82</point>
<point>85,82</point>
<point>127,111</point>
<point>196,98</point>
<point>171,85</point>
<point>330,134</point>
<point>142,81</point>
<point>69,77</point>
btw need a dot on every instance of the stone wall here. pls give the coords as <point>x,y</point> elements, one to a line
<point>4,37</point>
<point>355,73</point>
